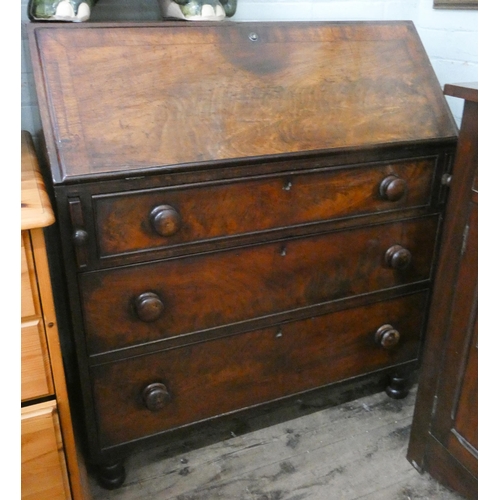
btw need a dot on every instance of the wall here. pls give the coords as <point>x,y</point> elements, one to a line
<point>450,37</point>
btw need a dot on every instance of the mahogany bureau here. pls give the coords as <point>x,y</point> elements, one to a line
<point>247,211</point>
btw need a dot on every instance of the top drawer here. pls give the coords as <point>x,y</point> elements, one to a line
<point>168,217</point>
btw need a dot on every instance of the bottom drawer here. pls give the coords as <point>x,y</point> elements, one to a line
<point>148,394</point>
<point>43,465</point>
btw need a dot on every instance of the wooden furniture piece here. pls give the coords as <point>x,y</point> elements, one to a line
<point>50,462</point>
<point>248,211</point>
<point>444,438</point>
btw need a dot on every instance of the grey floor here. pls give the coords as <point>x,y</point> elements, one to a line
<point>325,451</point>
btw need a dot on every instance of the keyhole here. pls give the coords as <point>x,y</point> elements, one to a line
<point>287,186</point>
<point>283,251</point>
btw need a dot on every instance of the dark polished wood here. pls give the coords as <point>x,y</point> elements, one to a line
<point>111,475</point>
<point>398,386</point>
<point>393,188</point>
<point>398,257</point>
<point>148,306</point>
<point>247,211</point>
<point>387,336</point>
<point>156,396</point>
<point>444,438</point>
<point>165,220</point>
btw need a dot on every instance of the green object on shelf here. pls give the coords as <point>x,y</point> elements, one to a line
<point>198,10</point>
<point>60,10</point>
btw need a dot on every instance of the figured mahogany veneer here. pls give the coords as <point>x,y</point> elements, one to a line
<point>251,282</point>
<point>119,101</point>
<point>248,211</point>
<point>126,222</point>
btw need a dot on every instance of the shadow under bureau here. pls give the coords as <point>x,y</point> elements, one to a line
<point>247,211</point>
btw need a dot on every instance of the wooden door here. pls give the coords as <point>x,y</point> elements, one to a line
<point>444,438</point>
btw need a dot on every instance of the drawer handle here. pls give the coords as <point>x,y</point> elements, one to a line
<point>393,188</point>
<point>156,396</point>
<point>387,337</point>
<point>148,306</point>
<point>398,257</point>
<point>165,219</point>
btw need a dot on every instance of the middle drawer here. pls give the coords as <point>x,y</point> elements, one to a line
<point>137,304</point>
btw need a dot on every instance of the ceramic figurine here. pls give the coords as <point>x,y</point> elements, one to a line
<point>60,10</point>
<point>198,10</point>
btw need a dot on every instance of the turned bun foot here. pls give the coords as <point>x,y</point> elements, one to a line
<point>111,476</point>
<point>398,387</point>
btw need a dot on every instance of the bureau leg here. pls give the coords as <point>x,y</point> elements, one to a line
<point>111,476</point>
<point>398,386</point>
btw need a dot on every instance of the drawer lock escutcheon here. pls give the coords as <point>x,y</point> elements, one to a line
<point>393,188</point>
<point>156,396</point>
<point>387,337</point>
<point>148,306</point>
<point>165,220</point>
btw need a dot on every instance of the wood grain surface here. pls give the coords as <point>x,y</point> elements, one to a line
<point>43,471</point>
<point>212,378</point>
<point>229,208</point>
<point>36,210</point>
<point>212,290</point>
<point>132,97</point>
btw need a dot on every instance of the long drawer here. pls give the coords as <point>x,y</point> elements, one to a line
<point>143,303</point>
<point>156,392</point>
<point>167,217</point>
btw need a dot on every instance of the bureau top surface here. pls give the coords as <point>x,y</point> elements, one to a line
<point>121,98</point>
